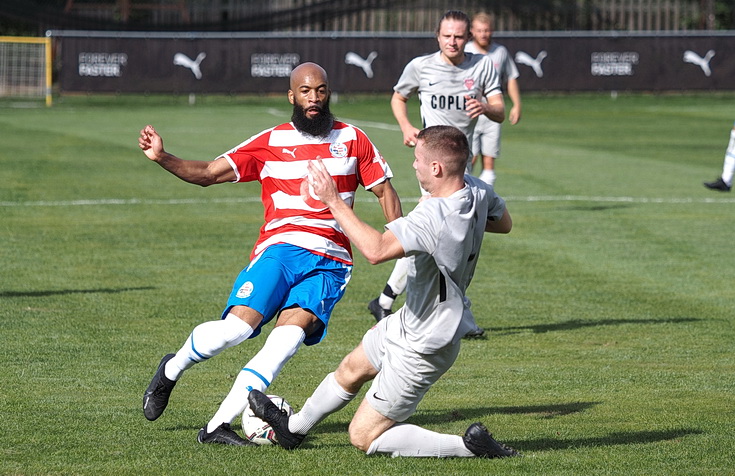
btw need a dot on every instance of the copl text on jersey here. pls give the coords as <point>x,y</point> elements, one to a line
<point>448,102</point>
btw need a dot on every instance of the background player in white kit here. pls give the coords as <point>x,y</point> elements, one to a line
<point>408,352</point>
<point>724,182</point>
<point>454,89</point>
<point>486,140</point>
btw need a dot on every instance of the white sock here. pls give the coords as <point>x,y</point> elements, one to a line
<point>259,373</point>
<point>728,167</point>
<point>487,176</point>
<point>207,340</point>
<point>328,398</point>
<point>417,442</point>
<point>396,281</point>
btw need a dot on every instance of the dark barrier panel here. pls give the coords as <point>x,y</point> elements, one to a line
<point>245,63</point>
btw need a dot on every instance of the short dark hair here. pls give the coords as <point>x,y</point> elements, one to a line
<point>454,15</point>
<point>449,143</point>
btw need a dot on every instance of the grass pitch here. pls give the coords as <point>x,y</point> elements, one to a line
<point>610,306</point>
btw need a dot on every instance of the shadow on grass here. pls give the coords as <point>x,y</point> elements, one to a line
<point>543,444</point>
<point>437,417</point>
<point>618,438</point>
<point>580,324</point>
<point>544,411</point>
<point>62,292</point>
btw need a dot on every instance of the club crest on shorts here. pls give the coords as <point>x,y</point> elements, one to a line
<point>338,150</point>
<point>245,290</point>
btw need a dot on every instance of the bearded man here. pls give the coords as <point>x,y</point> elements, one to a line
<point>302,260</point>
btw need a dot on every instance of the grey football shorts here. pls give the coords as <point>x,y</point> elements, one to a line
<point>486,138</point>
<point>404,375</point>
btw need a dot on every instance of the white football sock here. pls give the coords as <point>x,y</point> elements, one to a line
<point>417,442</point>
<point>259,373</point>
<point>207,340</point>
<point>728,169</point>
<point>396,281</point>
<point>328,398</point>
<point>487,176</point>
<point>731,144</point>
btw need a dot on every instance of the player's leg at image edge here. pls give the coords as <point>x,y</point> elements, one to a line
<point>724,182</point>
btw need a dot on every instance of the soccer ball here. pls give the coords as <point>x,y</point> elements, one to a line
<point>258,431</point>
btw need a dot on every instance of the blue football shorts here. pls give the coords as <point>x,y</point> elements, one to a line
<point>285,276</point>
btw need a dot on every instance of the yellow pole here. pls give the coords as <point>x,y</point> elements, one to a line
<point>49,72</point>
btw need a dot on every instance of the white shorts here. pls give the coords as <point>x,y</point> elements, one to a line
<point>486,139</point>
<point>404,376</point>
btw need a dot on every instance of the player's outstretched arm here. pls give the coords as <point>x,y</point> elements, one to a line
<point>375,246</point>
<point>198,172</point>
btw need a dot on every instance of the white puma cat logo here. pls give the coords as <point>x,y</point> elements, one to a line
<point>366,64</point>
<point>535,63</point>
<point>694,58</point>
<point>292,153</point>
<point>180,59</point>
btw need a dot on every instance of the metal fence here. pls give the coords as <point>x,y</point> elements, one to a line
<point>372,15</point>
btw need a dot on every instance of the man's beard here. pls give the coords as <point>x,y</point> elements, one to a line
<point>319,126</point>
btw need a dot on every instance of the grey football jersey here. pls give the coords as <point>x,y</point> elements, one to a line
<point>500,58</point>
<point>442,88</point>
<point>442,238</point>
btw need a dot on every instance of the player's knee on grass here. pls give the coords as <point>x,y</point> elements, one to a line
<point>360,437</point>
<point>367,425</point>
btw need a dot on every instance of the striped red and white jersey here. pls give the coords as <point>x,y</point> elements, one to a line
<point>278,158</point>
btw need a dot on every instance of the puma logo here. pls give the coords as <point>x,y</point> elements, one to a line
<point>366,64</point>
<point>180,59</point>
<point>292,153</point>
<point>694,58</point>
<point>535,63</point>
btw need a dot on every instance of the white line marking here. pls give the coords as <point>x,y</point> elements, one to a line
<point>204,201</point>
<point>374,125</point>
<point>573,198</point>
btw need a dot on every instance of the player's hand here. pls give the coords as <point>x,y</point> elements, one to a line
<point>151,143</point>
<point>473,107</point>
<point>321,183</point>
<point>410,137</point>
<point>515,115</point>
